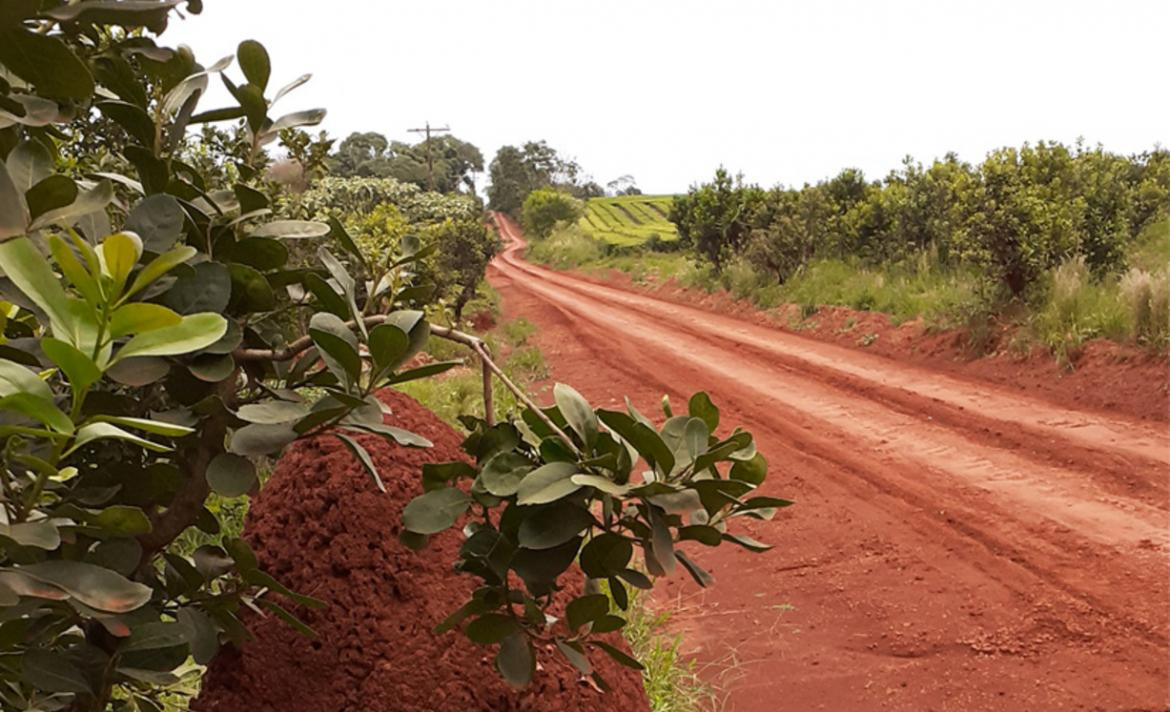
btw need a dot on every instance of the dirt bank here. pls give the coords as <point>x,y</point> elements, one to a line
<point>322,528</point>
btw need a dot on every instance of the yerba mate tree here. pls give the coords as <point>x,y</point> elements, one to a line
<point>149,357</point>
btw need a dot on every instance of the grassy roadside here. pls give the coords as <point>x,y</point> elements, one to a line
<point>1069,307</point>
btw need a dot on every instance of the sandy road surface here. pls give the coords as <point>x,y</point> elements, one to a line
<point>956,545</point>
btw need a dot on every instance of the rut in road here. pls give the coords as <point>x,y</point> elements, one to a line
<point>1055,502</point>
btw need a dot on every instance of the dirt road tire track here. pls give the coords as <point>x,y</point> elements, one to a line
<point>956,545</point>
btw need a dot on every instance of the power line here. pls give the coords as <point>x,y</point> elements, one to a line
<point>428,130</point>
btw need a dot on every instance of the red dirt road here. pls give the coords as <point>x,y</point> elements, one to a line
<point>955,545</point>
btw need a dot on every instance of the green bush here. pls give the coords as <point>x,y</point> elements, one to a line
<point>544,208</point>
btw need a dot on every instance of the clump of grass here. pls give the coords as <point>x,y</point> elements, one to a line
<point>1076,307</point>
<point>1147,296</point>
<point>672,684</point>
<point>518,331</point>
<point>567,248</point>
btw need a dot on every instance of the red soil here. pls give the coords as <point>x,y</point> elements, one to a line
<point>955,544</point>
<point>322,528</point>
<point>1103,375</point>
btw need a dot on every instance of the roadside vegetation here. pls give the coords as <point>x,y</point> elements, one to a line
<point>179,306</point>
<point>1061,244</point>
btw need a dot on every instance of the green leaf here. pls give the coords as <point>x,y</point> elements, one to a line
<point>701,407</point>
<point>697,572</point>
<point>154,635</point>
<point>212,368</point>
<point>309,117</point>
<point>551,526</point>
<point>431,369</point>
<point>577,412</point>
<point>575,655</point>
<point>503,473</point>
<point>121,520</point>
<point>618,655</point>
<point>516,661</point>
<point>398,435</point>
<point>262,253</point>
<point>291,230</point>
<point>201,633</point>
<point>746,542</point>
<point>586,609</point>
<point>296,623</point>
<point>363,456</point>
<point>74,271</point>
<point>159,266</point>
<point>45,62</point>
<point>207,288</point>
<point>29,164</point>
<point>89,202</point>
<point>753,471</point>
<point>547,483</point>
<point>540,568</point>
<point>51,671</point>
<point>192,333</point>
<point>261,439</point>
<point>251,292</point>
<point>338,346</point>
<point>272,412</point>
<point>661,545</point>
<point>435,511</point>
<point>603,484</point>
<point>491,628</point>
<point>39,409</point>
<point>53,193</point>
<point>94,586</point>
<point>139,372</point>
<point>645,440</point>
<point>15,378</point>
<point>299,81</point>
<point>130,117</point>
<point>388,346</point>
<point>30,272</point>
<point>139,317</point>
<point>159,221</point>
<point>700,533</point>
<point>607,554</point>
<point>41,535</point>
<point>338,232</point>
<point>231,475</point>
<point>254,62</point>
<point>100,431</point>
<point>14,217</point>
<point>637,579</point>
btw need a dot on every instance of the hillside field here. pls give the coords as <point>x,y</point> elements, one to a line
<point>629,219</point>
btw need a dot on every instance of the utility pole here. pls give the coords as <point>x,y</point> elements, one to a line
<point>428,130</point>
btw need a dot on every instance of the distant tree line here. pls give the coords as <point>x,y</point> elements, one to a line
<point>372,155</point>
<point>1017,214</point>
<point>516,172</point>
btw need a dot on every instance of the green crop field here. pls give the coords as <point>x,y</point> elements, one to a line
<point>629,219</point>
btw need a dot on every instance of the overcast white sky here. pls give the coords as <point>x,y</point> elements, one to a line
<point>784,91</point>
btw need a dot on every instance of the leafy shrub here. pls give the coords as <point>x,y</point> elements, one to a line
<point>563,485</point>
<point>714,219</point>
<point>545,208</point>
<point>149,358</point>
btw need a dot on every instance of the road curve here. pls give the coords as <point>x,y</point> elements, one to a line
<point>956,545</point>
